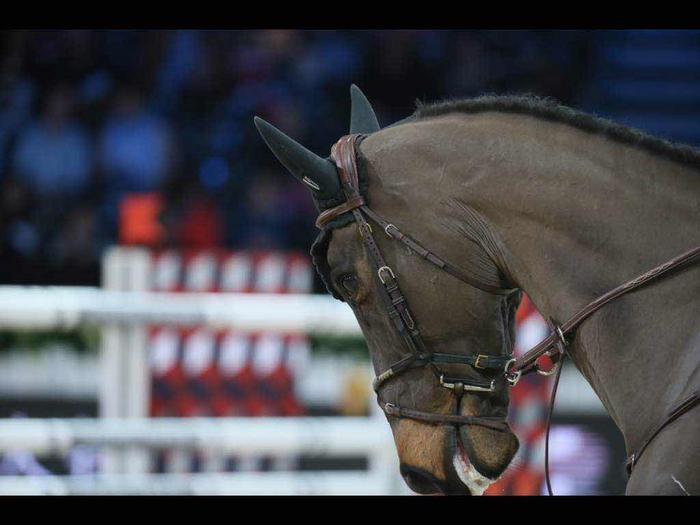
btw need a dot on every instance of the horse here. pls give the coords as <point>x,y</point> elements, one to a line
<point>504,195</point>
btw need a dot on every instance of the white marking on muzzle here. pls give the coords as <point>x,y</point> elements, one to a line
<point>476,482</point>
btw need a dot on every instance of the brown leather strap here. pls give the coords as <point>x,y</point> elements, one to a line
<point>393,232</point>
<point>527,361</point>
<point>558,364</point>
<point>682,408</point>
<point>330,214</point>
<point>494,423</point>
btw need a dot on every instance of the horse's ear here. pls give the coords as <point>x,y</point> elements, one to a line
<point>316,173</point>
<point>362,117</point>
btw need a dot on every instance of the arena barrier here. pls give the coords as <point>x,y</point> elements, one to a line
<point>123,309</point>
<point>66,307</point>
<point>311,436</point>
<point>254,483</point>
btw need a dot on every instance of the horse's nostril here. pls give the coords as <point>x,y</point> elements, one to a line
<point>420,481</point>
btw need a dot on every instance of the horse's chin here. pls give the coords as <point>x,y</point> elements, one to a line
<point>463,474</point>
<point>467,473</point>
<point>481,456</point>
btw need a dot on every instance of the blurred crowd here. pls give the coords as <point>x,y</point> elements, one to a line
<point>91,120</point>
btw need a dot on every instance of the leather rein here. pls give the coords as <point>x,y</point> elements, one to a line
<point>507,367</point>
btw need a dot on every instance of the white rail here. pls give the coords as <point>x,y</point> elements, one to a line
<point>361,436</point>
<point>56,307</point>
<point>239,483</point>
<point>268,436</point>
<point>122,309</point>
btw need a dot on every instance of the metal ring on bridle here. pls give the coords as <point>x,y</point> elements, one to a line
<point>560,334</point>
<point>386,230</point>
<point>546,372</point>
<point>387,269</point>
<point>511,378</point>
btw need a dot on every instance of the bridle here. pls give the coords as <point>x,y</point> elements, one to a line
<point>344,155</point>
<point>554,346</point>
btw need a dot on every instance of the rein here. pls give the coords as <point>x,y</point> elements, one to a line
<point>511,369</point>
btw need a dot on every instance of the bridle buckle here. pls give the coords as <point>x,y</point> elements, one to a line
<point>385,269</point>
<point>364,228</point>
<point>477,362</point>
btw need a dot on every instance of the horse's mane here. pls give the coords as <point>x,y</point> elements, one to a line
<point>550,109</point>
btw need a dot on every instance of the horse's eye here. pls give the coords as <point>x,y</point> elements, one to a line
<point>349,283</point>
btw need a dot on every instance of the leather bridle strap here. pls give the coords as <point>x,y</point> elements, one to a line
<point>528,361</point>
<point>494,423</point>
<point>328,215</point>
<point>394,233</point>
<point>682,408</point>
<point>479,362</point>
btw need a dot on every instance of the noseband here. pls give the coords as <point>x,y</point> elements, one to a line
<point>554,346</point>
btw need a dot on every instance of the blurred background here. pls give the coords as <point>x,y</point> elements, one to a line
<point>123,145</point>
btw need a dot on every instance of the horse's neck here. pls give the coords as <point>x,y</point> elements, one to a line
<point>579,214</point>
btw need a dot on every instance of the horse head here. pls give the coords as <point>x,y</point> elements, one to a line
<point>469,324</point>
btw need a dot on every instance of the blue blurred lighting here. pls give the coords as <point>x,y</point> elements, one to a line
<point>213,173</point>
